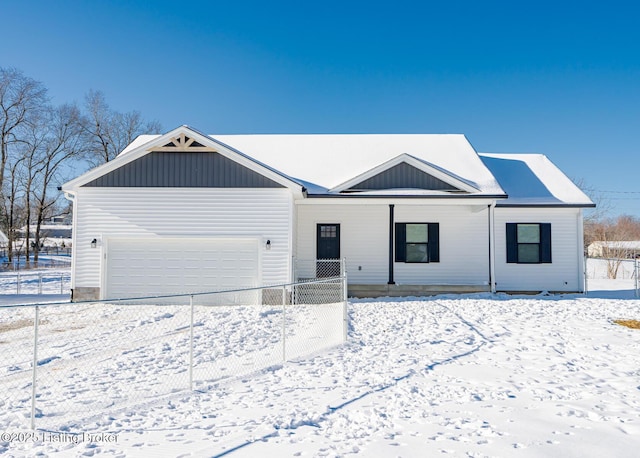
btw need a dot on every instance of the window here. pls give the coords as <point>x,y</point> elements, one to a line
<point>329,231</point>
<point>528,243</point>
<point>417,242</point>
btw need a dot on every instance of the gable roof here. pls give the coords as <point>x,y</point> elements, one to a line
<point>406,172</point>
<point>370,165</point>
<point>170,151</point>
<point>533,180</point>
<point>332,161</point>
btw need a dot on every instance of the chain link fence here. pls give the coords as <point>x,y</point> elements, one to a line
<point>53,281</point>
<point>624,270</point>
<point>63,363</point>
<point>307,269</point>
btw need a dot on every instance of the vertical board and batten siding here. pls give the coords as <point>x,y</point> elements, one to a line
<point>183,170</point>
<point>182,212</point>
<point>563,273</point>
<point>364,231</point>
<point>464,245</point>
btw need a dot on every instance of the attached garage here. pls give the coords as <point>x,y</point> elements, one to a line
<point>136,267</point>
<point>180,214</point>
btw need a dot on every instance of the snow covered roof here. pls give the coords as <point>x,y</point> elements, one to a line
<point>328,164</point>
<point>620,245</point>
<point>532,179</point>
<point>325,163</point>
<point>332,160</point>
<point>3,238</point>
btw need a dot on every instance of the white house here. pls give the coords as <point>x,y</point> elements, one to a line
<point>410,214</point>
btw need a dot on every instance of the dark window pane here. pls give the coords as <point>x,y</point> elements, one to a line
<point>328,231</point>
<point>529,253</point>
<point>417,252</point>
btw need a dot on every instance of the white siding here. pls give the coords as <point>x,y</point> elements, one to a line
<point>564,272</point>
<point>364,238</point>
<point>464,246</point>
<point>364,231</point>
<point>169,212</point>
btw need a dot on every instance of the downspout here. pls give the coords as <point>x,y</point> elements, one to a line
<point>492,244</point>
<point>582,273</point>
<point>71,196</point>
<point>391,220</point>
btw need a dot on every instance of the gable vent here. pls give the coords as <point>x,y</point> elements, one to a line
<point>184,143</point>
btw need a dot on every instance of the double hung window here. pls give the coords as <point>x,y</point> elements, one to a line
<point>528,243</point>
<point>417,242</point>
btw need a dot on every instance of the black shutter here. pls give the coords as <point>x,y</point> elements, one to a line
<point>512,242</point>
<point>401,237</point>
<point>545,243</point>
<point>434,242</point>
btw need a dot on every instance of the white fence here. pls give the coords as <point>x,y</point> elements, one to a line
<point>65,362</point>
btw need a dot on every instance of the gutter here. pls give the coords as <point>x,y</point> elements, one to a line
<point>71,196</point>
<point>559,205</point>
<point>492,245</point>
<point>406,196</point>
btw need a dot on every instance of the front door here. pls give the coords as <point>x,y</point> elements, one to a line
<point>328,250</point>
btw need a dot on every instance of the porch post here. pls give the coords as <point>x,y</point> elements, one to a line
<point>391,281</point>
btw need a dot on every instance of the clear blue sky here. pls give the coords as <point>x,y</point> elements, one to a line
<point>552,77</point>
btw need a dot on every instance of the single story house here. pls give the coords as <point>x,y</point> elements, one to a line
<point>621,249</point>
<point>411,214</point>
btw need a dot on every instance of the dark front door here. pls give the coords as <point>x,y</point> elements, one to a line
<point>328,250</point>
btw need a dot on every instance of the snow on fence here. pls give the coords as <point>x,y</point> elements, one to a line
<point>614,269</point>
<point>66,362</point>
<point>611,268</point>
<point>36,282</point>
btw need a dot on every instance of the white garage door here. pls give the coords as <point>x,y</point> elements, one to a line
<point>152,267</point>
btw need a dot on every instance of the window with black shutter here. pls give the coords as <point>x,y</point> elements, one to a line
<point>417,242</point>
<point>528,243</point>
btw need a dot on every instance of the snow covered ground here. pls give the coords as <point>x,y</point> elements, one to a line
<point>455,375</point>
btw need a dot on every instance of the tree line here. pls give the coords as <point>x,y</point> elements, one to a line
<point>41,144</point>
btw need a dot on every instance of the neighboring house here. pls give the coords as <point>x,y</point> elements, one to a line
<point>411,214</point>
<point>50,234</point>
<point>614,249</point>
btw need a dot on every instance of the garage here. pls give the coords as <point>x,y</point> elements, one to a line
<point>138,267</point>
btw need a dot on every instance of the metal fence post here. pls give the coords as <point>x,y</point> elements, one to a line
<point>35,365</point>
<point>191,345</point>
<point>586,274</point>
<point>40,283</point>
<point>284,325</point>
<point>61,284</point>
<point>637,292</point>
<point>345,314</point>
<point>18,284</point>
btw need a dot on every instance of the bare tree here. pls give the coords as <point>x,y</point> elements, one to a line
<point>49,144</point>
<point>63,141</point>
<point>12,209</point>
<point>21,100</point>
<point>37,140</point>
<point>107,132</point>
<point>613,235</point>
